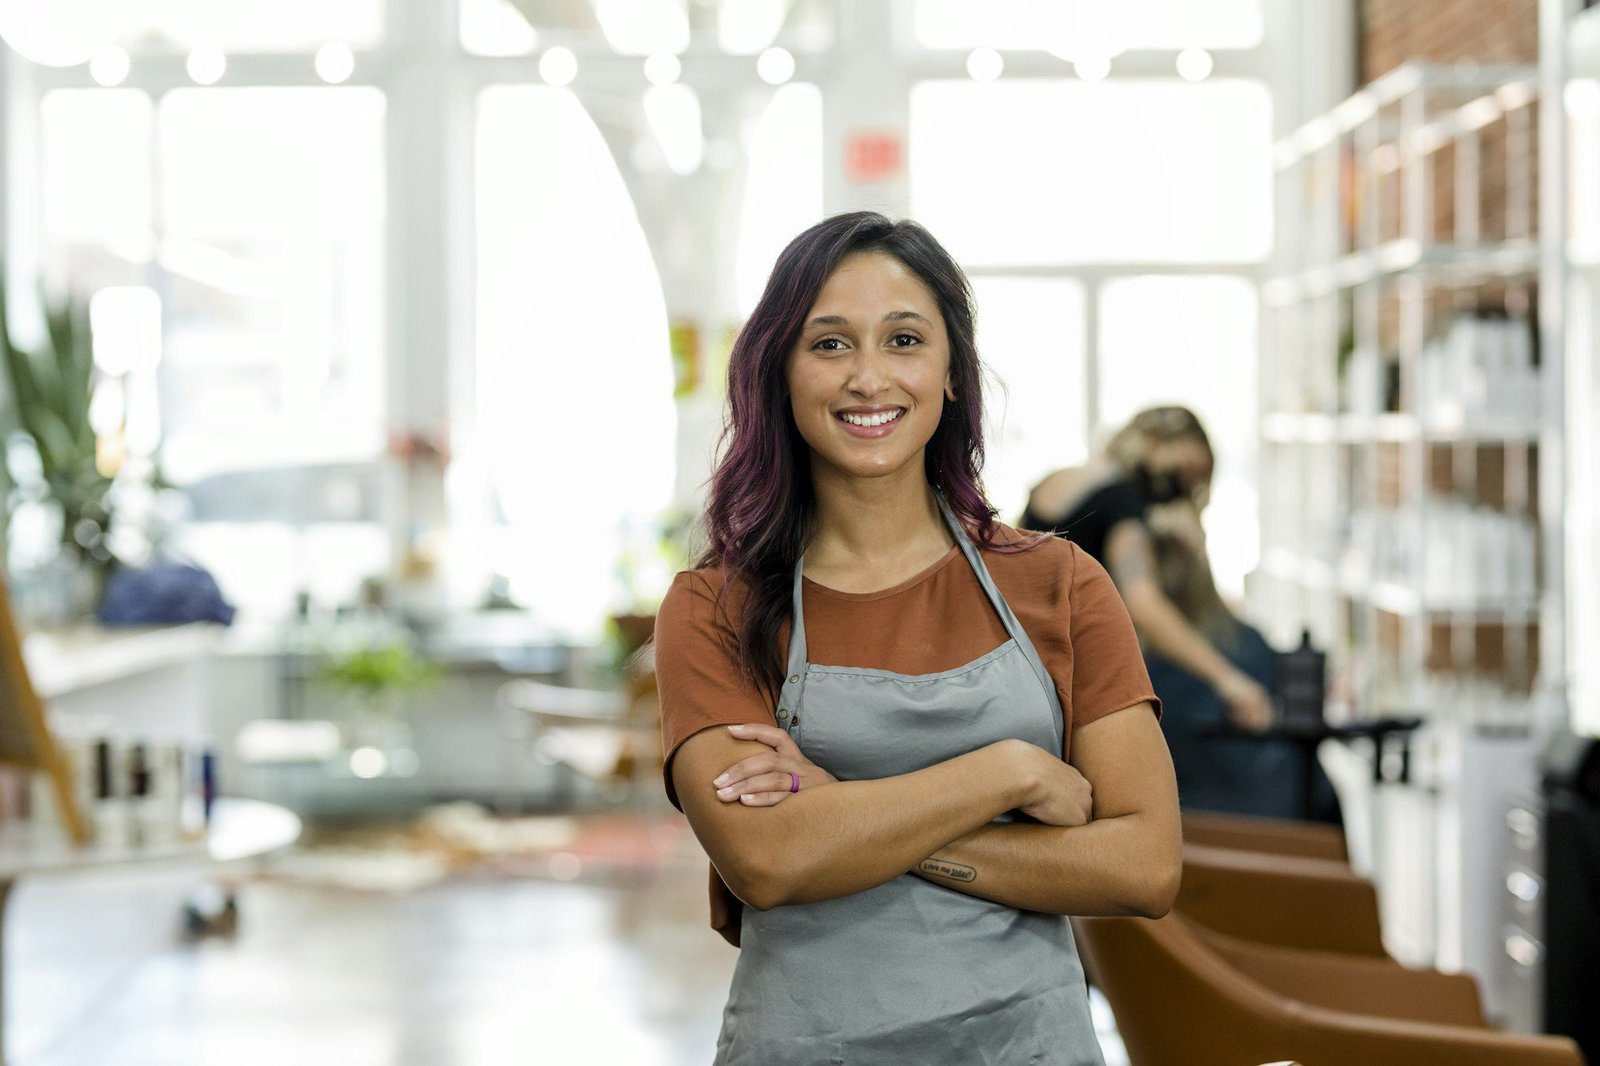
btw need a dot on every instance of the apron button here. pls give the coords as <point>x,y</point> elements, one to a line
<point>794,679</point>
<point>783,716</point>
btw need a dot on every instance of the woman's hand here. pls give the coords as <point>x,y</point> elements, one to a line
<point>763,780</point>
<point>1060,794</point>
<point>1249,706</point>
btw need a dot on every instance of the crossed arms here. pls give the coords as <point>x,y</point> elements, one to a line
<point>848,836</point>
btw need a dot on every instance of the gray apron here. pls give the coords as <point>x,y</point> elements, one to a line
<point>910,972</point>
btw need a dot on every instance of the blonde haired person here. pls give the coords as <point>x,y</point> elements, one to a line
<point>1156,469</point>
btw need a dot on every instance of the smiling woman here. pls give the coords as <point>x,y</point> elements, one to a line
<point>911,738</point>
<point>870,377</point>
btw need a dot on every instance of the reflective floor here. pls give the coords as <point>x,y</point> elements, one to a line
<point>477,970</point>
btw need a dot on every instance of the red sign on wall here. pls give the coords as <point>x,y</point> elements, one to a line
<point>873,155</point>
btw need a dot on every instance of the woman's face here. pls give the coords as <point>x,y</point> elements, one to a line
<point>870,373</point>
<point>1186,459</point>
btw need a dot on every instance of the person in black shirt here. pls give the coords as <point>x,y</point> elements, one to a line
<point>1157,468</point>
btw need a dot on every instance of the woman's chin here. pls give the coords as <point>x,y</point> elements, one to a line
<point>872,467</point>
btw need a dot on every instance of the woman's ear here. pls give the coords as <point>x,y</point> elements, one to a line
<point>949,392</point>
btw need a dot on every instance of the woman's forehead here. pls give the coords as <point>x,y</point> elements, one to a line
<point>871,284</point>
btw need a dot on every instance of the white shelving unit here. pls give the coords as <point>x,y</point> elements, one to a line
<point>1406,515</point>
<point>1571,47</point>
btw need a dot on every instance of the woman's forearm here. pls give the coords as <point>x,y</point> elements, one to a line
<point>1117,866</point>
<point>1166,630</point>
<point>850,836</point>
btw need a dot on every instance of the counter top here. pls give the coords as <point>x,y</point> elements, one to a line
<point>82,656</point>
<point>240,829</point>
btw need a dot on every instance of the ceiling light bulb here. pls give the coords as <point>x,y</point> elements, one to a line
<point>335,62</point>
<point>109,66</point>
<point>206,65</point>
<point>1194,64</point>
<point>663,68</point>
<point>985,64</point>
<point>1092,68</point>
<point>558,66</point>
<point>775,66</point>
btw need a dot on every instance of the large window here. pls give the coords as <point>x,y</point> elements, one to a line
<point>1192,340</point>
<point>1101,222</point>
<point>272,209</point>
<point>1040,172</point>
<point>783,184</point>
<point>574,369</point>
<point>1031,339</point>
<point>264,234</point>
<point>244,229</point>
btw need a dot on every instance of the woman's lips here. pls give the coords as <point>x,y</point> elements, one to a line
<point>871,432</point>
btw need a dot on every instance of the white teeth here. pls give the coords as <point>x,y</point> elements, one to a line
<point>873,420</point>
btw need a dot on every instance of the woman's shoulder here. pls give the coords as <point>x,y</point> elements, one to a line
<point>702,595</point>
<point>1046,572</point>
<point>1030,557</point>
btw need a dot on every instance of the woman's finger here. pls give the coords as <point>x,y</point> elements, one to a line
<point>769,735</point>
<point>768,782</point>
<point>763,799</point>
<point>755,764</point>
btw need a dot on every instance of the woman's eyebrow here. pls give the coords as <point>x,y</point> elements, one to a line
<point>892,316</point>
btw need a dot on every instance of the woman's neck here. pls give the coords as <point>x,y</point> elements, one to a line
<point>883,524</point>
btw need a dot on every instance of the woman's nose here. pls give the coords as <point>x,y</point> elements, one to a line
<point>869,375</point>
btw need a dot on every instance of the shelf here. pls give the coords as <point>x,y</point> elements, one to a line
<point>1289,428</point>
<point>1393,597</point>
<point>1504,87</point>
<point>240,829</point>
<point>1372,166</point>
<point>78,657</point>
<point>1454,264</point>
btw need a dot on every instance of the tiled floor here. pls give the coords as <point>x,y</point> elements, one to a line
<point>472,972</point>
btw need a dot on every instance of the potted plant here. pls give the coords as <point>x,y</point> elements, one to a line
<point>50,388</point>
<point>374,679</point>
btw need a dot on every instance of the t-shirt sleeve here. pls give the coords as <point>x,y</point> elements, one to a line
<point>697,670</point>
<point>1108,667</point>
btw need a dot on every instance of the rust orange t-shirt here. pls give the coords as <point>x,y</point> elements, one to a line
<point>935,620</point>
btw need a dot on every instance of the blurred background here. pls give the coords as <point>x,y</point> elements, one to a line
<point>364,364</point>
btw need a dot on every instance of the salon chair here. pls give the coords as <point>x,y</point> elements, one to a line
<point>1210,1010</point>
<point>1272,836</point>
<point>1281,900</point>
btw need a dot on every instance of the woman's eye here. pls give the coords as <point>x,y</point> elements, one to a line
<point>828,340</point>
<point>913,338</point>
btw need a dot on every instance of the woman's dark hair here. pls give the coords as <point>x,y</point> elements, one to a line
<point>761,510</point>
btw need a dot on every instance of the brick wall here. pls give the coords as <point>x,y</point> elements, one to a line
<point>1451,31</point>
<point>1444,31</point>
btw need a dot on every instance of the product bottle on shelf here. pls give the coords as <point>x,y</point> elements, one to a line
<point>109,813</point>
<point>1303,683</point>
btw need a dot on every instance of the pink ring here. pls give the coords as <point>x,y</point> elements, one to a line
<point>794,781</point>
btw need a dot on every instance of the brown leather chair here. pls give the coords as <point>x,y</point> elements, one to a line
<point>1355,984</point>
<point>1293,902</point>
<point>1179,1002</point>
<point>1274,836</point>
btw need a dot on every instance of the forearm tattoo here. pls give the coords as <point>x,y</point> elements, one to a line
<point>954,871</point>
